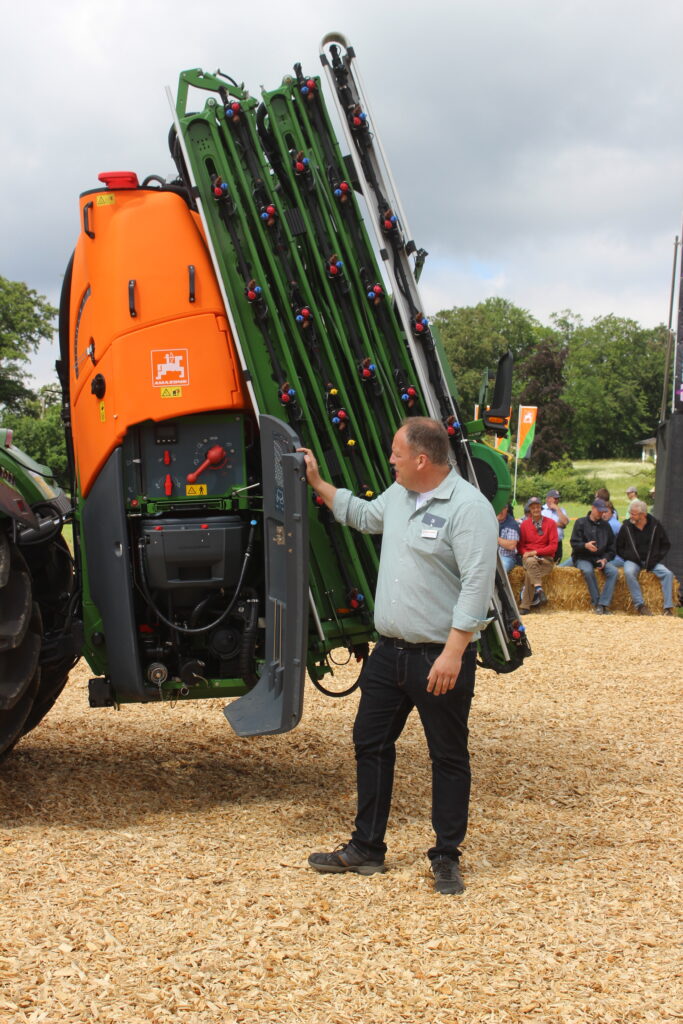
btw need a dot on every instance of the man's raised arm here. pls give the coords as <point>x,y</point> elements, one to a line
<point>321,487</point>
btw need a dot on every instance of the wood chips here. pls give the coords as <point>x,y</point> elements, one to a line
<point>153,865</point>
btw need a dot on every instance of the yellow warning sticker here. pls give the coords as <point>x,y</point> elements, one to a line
<point>171,392</point>
<point>103,414</point>
<point>196,490</point>
<point>106,200</point>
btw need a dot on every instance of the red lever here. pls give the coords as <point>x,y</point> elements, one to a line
<point>168,485</point>
<point>215,459</point>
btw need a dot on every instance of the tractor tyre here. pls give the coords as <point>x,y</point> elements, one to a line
<point>21,631</point>
<point>53,679</point>
<point>52,571</point>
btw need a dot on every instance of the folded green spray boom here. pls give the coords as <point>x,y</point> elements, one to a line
<point>329,322</point>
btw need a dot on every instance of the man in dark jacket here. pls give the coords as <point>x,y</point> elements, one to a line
<point>642,543</point>
<point>592,544</point>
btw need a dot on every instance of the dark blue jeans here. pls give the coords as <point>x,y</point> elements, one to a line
<point>392,683</point>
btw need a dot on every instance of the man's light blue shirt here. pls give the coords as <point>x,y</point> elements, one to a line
<point>438,563</point>
<point>554,514</point>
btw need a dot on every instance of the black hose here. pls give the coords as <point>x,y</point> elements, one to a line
<point>153,177</point>
<point>185,630</point>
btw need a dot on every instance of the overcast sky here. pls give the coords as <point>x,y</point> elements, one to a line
<point>536,144</point>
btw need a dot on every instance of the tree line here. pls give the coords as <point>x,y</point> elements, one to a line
<point>597,386</point>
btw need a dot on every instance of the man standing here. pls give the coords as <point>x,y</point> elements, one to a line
<point>553,510</point>
<point>643,543</point>
<point>592,544</point>
<point>434,588</point>
<point>537,546</point>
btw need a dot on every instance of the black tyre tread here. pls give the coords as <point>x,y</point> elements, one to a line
<point>53,577</point>
<point>52,682</point>
<point>20,662</point>
<point>17,667</point>
<point>15,603</point>
<point>13,720</point>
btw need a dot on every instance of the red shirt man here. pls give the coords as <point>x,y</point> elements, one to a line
<point>533,541</point>
<point>537,546</point>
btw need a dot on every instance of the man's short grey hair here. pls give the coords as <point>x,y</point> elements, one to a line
<point>637,506</point>
<point>428,437</point>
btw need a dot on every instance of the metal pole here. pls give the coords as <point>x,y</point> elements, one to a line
<point>670,340</point>
<point>514,487</point>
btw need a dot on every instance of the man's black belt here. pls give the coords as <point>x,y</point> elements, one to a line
<point>404,645</point>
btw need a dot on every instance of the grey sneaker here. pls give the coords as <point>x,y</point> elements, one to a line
<point>345,857</point>
<point>447,877</point>
<point>540,597</point>
<point>601,609</point>
<point>643,609</point>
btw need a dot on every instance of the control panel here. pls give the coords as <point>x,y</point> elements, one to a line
<point>192,458</point>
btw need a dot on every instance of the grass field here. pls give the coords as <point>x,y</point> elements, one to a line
<point>618,474</point>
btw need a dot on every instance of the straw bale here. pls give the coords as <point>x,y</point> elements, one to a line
<point>153,865</point>
<point>566,590</point>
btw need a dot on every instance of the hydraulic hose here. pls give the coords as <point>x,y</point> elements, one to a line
<point>186,630</point>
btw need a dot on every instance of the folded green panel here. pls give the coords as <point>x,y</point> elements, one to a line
<point>327,344</point>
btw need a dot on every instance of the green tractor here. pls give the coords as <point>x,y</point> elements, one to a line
<point>38,593</point>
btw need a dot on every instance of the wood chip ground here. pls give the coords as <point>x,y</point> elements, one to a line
<point>153,865</point>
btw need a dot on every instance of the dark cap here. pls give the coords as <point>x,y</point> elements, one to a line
<point>601,505</point>
<point>553,494</point>
<point>530,502</point>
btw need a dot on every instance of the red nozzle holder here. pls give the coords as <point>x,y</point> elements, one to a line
<point>119,179</point>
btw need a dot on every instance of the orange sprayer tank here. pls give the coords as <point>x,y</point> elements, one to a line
<point>148,333</point>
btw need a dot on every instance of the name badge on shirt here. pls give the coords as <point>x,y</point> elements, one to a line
<point>430,520</point>
<point>430,533</point>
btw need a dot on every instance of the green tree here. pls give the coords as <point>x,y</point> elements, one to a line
<point>38,430</point>
<point>26,319</point>
<point>543,374</point>
<point>474,338</point>
<point>614,371</point>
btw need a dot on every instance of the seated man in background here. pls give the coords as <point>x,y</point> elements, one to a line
<point>553,510</point>
<point>537,546</point>
<point>643,543</point>
<point>508,538</point>
<point>593,548</point>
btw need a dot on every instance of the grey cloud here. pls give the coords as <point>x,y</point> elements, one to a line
<point>535,145</point>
